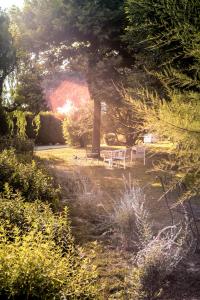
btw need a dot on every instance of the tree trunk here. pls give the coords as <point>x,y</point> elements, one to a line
<point>3,121</point>
<point>96,135</point>
<point>95,96</point>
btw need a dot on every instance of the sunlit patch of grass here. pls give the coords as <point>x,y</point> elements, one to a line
<point>179,175</point>
<point>156,184</point>
<point>164,146</point>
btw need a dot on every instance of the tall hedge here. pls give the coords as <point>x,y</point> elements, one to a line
<point>50,131</point>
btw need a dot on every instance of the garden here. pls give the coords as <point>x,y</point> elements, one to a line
<point>99,150</point>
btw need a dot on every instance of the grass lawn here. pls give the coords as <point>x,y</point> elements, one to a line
<point>110,181</point>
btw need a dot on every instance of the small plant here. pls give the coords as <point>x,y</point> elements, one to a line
<point>158,259</point>
<point>131,219</point>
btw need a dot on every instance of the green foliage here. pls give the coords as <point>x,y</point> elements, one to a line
<point>77,127</point>
<point>36,123</point>
<point>17,123</point>
<point>15,211</point>
<point>123,122</point>
<point>20,123</point>
<point>26,177</point>
<point>179,122</point>
<point>167,33</point>
<point>110,139</point>
<point>21,145</point>
<point>28,93</point>
<point>50,131</point>
<point>7,57</point>
<point>37,256</point>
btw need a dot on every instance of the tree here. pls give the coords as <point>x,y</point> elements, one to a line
<point>28,93</point>
<point>123,122</point>
<point>7,61</point>
<point>88,29</point>
<point>166,35</point>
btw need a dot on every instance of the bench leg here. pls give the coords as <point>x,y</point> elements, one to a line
<point>110,163</point>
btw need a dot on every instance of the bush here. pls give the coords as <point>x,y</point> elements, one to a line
<point>77,128</point>
<point>131,220</point>
<point>158,259</point>
<point>110,139</point>
<point>33,267</point>
<point>158,255</point>
<point>26,177</point>
<point>15,211</point>
<point>38,259</point>
<point>21,145</point>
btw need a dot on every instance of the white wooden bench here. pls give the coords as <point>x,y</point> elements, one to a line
<point>124,155</point>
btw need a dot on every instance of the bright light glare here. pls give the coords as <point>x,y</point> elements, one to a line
<point>67,108</point>
<point>8,3</point>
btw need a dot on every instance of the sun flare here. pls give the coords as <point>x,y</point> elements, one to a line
<point>8,3</point>
<point>67,97</point>
<point>67,108</point>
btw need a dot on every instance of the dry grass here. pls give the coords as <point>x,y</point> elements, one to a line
<point>100,191</point>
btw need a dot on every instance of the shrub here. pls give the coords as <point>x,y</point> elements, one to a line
<point>130,219</point>
<point>110,139</point>
<point>157,255</point>
<point>15,211</point>
<point>33,267</point>
<point>38,259</point>
<point>32,181</point>
<point>158,259</point>
<point>77,128</point>
<point>21,145</point>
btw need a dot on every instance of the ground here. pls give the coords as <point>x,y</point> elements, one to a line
<point>103,188</point>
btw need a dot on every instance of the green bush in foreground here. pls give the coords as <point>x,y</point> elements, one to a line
<point>33,267</point>
<point>38,259</point>
<point>25,216</point>
<point>32,182</point>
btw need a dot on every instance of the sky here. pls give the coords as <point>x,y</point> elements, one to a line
<point>8,3</point>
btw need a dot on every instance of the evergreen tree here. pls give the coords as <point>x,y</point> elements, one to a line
<point>166,34</point>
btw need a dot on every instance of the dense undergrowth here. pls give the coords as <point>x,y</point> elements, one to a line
<point>38,257</point>
<point>24,175</point>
